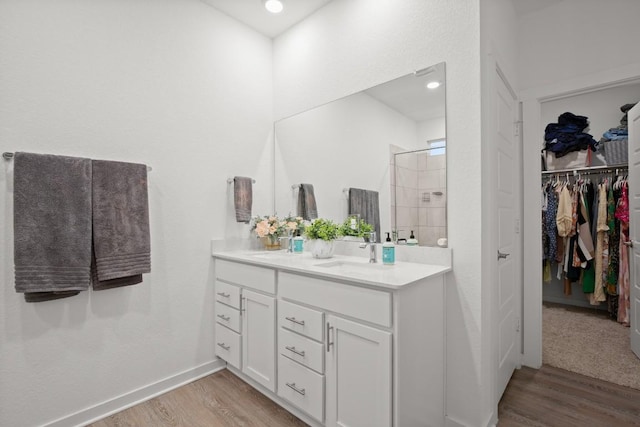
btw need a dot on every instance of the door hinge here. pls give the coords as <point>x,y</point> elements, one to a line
<point>517,324</point>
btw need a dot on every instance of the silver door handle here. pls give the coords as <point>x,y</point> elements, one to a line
<point>629,243</point>
<point>502,255</point>
<point>329,343</point>
<point>293,350</point>
<point>224,294</point>
<point>294,320</point>
<point>293,387</point>
<point>226,347</point>
<point>223,317</point>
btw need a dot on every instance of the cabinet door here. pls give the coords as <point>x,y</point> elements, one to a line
<point>358,370</point>
<point>258,338</point>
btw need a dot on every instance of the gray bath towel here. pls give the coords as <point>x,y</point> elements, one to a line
<point>307,207</point>
<point>52,225</point>
<point>121,241</point>
<point>365,203</point>
<point>242,198</point>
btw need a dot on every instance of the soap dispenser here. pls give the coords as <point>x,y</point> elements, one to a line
<point>412,240</point>
<point>388,252</point>
<point>298,243</point>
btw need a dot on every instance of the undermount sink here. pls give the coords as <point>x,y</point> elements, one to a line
<point>345,266</point>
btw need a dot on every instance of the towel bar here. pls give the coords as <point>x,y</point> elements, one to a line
<point>8,156</point>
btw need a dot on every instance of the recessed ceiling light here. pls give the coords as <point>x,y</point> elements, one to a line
<point>433,85</point>
<point>273,6</point>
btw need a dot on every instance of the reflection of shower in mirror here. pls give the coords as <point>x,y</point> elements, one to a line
<point>418,185</point>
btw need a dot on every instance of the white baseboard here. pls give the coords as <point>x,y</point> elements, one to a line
<point>134,397</point>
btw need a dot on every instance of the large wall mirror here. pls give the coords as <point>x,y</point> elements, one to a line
<point>390,138</point>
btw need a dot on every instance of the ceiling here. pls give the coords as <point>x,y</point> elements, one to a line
<point>253,13</point>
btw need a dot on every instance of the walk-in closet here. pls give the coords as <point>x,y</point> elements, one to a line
<point>585,233</point>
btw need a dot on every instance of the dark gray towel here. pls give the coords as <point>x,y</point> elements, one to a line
<point>365,203</point>
<point>242,198</point>
<point>52,225</point>
<point>307,207</point>
<point>121,241</point>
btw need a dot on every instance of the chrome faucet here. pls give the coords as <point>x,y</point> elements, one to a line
<point>373,258</point>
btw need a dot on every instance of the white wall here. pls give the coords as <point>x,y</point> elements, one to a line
<point>577,37</point>
<point>170,83</point>
<point>429,130</point>
<point>351,45</point>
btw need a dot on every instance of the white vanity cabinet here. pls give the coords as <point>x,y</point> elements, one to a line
<point>245,320</point>
<point>345,352</point>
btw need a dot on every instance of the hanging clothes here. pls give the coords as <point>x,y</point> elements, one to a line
<point>622,214</point>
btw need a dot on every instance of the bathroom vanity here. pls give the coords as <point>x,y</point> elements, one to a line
<point>336,341</point>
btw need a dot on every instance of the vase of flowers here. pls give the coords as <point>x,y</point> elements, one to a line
<point>322,233</point>
<point>269,229</point>
<point>355,228</point>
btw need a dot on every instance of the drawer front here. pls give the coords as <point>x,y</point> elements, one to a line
<point>228,316</point>
<point>301,349</point>
<point>301,319</point>
<point>228,294</point>
<point>361,303</point>
<point>302,387</point>
<point>250,276</point>
<point>228,345</point>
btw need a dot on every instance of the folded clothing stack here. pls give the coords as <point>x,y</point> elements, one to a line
<point>568,135</point>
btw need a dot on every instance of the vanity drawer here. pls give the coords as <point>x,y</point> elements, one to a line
<point>301,386</point>
<point>228,294</point>
<point>228,345</point>
<point>259,278</point>
<point>228,316</point>
<point>301,319</point>
<point>361,303</point>
<point>301,349</point>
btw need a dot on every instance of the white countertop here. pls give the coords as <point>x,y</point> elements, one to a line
<point>341,267</point>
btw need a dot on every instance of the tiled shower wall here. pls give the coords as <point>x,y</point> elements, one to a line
<point>418,195</point>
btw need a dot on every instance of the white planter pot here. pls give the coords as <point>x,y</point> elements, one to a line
<point>322,248</point>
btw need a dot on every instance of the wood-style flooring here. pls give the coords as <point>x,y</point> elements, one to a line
<point>554,397</point>
<point>218,400</point>
<point>548,397</point>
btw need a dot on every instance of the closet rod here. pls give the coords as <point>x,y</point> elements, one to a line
<point>8,156</point>
<point>611,168</point>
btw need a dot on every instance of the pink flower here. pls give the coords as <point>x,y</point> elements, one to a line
<point>262,228</point>
<point>292,225</point>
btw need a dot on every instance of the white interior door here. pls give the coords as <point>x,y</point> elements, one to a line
<point>634,224</point>
<point>508,213</point>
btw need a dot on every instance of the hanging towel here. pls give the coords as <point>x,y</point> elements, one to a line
<point>52,225</point>
<point>121,241</point>
<point>307,207</point>
<point>242,198</point>
<point>365,203</point>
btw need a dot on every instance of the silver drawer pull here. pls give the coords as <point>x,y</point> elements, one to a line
<point>294,320</point>
<point>293,350</point>
<point>223,317</point>
<point>226,347</point>
<point>293,387</point>
<point>224,294</point>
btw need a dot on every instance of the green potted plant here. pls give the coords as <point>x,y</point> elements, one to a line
<point>355,228</point>
<point>322,233</point>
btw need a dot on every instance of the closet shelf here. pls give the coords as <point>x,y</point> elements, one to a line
<point>611,168</point>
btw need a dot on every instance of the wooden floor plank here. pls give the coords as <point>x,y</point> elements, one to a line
<point>548,397</point>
